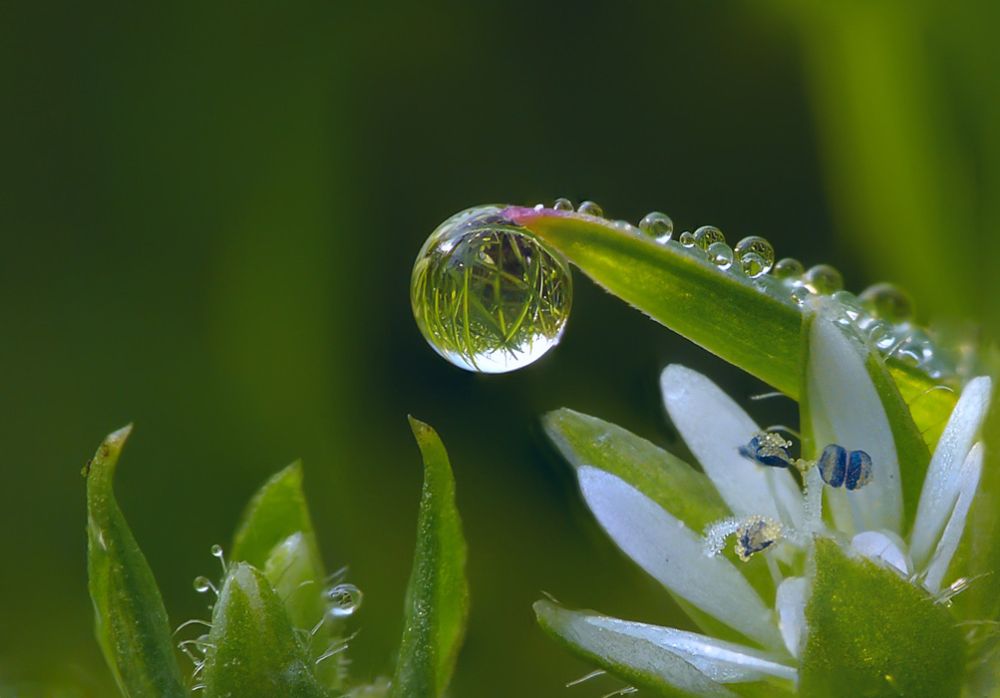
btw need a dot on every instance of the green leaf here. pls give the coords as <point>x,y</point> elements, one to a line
<point>130,620</point>
<point>749,323</point>
<point>681,490</point>
<point>636,660</point>
<point>872,633</point>
<point>253,651</point>
<point>277,511</point>
<point>437,600</point>
<point>276,536</point>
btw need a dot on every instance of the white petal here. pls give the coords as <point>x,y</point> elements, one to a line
<point>673,554</point>
<point>886,548</point>
<point>937,498</point>
<point>723,662</point>
<point>971,469</point>
<point>790,603</point>
<point>714,427</point>
<point>845,409</point>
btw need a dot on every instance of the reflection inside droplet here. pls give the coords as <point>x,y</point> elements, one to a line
<point>487,295</point>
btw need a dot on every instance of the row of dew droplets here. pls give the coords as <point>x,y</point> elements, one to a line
<point>341,601</point>
<point>490,297</point>
<point>883,312</point>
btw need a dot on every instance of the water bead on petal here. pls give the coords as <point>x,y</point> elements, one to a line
<point>657,225</point>
<point>824,279</point>
<point>720,254</point>
<point>563,204</point>
<point>755,256</point>
<point>788,268</point>
<point>706,235</point>
<point>591,208</point>
<point>888,302</point>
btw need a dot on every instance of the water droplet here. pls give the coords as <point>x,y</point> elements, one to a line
<point>203,584</point>
<point>657,225</point>
<point>591,209</point>
<point>687,239</point>
<point>800,294</point>
<point>720,254</point>
<point>487,295</point>
<point>882,335</point>
<point>343,600</point>
<point>216,551</point>
<point>824,279</point>
<point>788,268</point>
<point>563,204</point>
<point>755,255</point>
<point>888,302</point>
<point>624,226</point>
<point>706,235</point>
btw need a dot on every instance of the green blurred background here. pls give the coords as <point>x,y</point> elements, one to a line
<point>209,212</point>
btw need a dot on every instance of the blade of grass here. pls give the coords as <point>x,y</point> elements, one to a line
<point>746,322</point>
<point>130,620</point>
<point>437,600</point>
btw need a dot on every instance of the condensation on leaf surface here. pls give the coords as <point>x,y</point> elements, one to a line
<point>487,295</point>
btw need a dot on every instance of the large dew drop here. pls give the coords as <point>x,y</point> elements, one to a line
<point>487,295</point>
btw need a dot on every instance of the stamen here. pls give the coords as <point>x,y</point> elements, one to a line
<point>840,467</point>
<point>753,535</point>
<point>768,448</point>
<point>756,534</point>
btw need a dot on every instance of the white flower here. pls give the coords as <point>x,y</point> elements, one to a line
<point>844,408</point>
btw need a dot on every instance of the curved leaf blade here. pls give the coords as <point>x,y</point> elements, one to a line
<point>872,633</point>
<point>437,597</point>
<point>129,617</point>
<point>277,511</point>
<point>729,315</point>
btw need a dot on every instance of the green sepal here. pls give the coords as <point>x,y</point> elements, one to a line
<point>277,511</point>
<point>685,493</point>
<point>129,617</point>
<point>688,294</point>
<point>873,633</point>
<point>253,650</point>
<point>437,598</point>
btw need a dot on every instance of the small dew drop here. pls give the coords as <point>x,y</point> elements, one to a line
<point>624,226</point>
<point>687,239</point>
<point>487,295</point>
<point>888,302</point>
<point>658,226</point>
<point>203,585</point>
<point>824,279</point>
<point>720,254</point>
<point>343,600</point>
<point>755,255</point>
<point>591,209</point>
<point>706,235</point>
<point>800,294</point>
<point>563,204</point>
<point>788,268</point>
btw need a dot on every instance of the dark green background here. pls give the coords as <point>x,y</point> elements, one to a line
<point>209,212</point>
